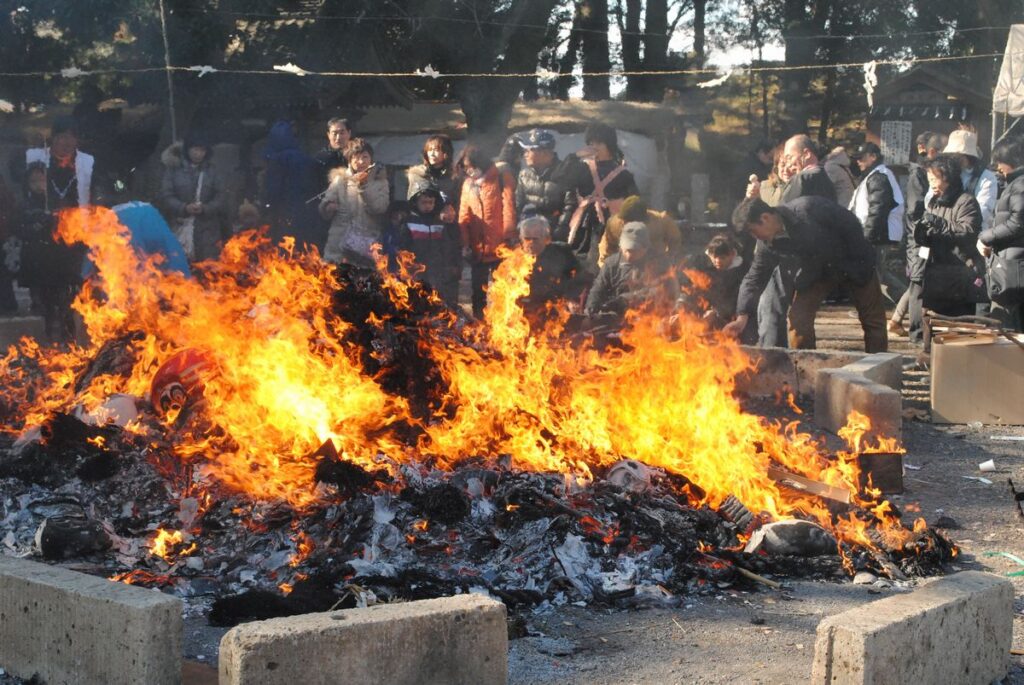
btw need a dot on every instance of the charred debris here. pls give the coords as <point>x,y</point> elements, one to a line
<point>120,504</point>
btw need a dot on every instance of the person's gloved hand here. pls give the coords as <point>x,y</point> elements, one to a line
<point>921,232</point>
<point>936,226</point>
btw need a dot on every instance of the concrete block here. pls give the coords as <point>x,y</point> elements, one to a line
<point>882,367</point>
<point>77,629</point>
<point>837,392</point>
<point>460,639</point>
<point>778,367</point>
<point>955,631</point>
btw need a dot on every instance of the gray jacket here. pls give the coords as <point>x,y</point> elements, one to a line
<point>178,190</point>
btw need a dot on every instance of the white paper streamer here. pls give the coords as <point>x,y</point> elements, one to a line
<point>205,69</point>
<point>429,71</point>
<point>71,72</point>
<point>870,81</point>
<point>291,69</point>
<point>716,81</point>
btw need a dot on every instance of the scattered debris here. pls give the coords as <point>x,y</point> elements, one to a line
<point>793,537</point>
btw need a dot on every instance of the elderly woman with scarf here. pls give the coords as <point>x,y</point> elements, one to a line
<point>947,274</point>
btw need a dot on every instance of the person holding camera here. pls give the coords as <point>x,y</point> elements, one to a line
<point>355,204</point>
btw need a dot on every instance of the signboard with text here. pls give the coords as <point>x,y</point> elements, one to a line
<point>896,142</point>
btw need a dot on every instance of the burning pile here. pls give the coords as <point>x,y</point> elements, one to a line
<point>338,435</point>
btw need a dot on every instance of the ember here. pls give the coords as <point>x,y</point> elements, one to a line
<point>375,445</point>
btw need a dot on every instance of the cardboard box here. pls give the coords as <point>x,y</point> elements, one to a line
<point>977,377</point>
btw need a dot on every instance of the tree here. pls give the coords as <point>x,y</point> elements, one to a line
<point>646,48</point>
<point>493,37</point>
<point>594,26</point>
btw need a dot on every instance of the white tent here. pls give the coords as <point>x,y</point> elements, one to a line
<point>1008,97</point>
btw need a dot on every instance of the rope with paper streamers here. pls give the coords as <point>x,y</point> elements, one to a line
<point>430,72</point>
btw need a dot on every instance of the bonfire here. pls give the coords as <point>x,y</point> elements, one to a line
<point>278,422</point>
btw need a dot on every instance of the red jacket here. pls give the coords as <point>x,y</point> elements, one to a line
<point>487,214</point>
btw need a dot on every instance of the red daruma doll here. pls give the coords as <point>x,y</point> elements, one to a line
<point>179,380</point>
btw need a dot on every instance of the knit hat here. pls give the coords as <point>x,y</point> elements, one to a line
<point>635,235</point>
<point>633,209</point>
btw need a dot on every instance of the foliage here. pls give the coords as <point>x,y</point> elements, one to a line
<point>479,36</point>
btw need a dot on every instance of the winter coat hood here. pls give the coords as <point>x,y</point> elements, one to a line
<point>281,140</point>
<point>838,156</point>
<point>173,156</point>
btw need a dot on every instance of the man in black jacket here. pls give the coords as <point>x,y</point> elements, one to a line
<point>820,245</point>
<point>339,132</point>
<point>878,204</point>
<point>544,182</point>
<point>808,179</point>
<point>557,274</point>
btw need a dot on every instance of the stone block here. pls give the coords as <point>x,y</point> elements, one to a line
<point>75,629</point>
<point>882,367</point>
<point>778,367</point>
<point>953,631</point>
<point>460,639</point>
<point>837,392</point>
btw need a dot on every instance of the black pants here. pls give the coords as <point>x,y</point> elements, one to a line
<point>480,278</point>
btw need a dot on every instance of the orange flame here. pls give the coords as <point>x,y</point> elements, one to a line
<point>857,427</point>
<point>286,382</point>
<point>170,544</point>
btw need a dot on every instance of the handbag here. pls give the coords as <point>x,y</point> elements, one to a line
<point>1005,280</point>
<point>945,283</point>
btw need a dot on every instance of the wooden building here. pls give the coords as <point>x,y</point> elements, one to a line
<point>926,98</point>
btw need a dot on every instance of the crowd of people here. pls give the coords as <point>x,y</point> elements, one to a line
<point>811,228</point>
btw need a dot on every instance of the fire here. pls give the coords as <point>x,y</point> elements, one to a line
<point>304,546</point>
<point>141,577</point>
<point>170,544</point>
<point>281,381</point>
<point>857,427</point>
